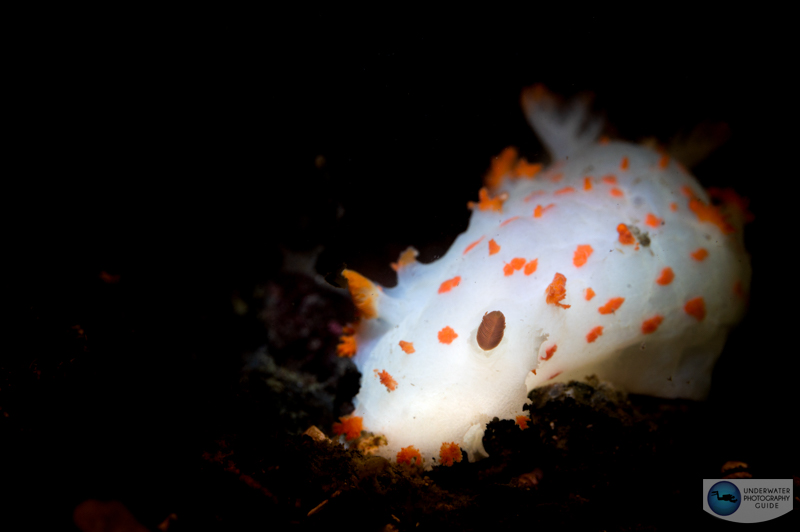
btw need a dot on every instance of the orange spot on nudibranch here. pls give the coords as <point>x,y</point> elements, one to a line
<point>386,379</point>
<point>650,325</point>
<point>565,190</point>
<point>509,220</point>
<point>652,220</point>
<point>624,164</point>
<point>350,426</point>
<point>409,256</point>
<point>347,346</point>
<point>407,347</point>
<point>531,267</point>
<point>522,422</point>
<point>502,165</point>
<point>447,335</point>
<point>494,247</point>
<point>449,453</point>
<point>666,277</point>
<point>587,183</point>
<point>468,248</point>
<point>589,294</point>
<point>486,203</point>
<point>515,264</point>
<point>557,177</point>
<point>449,284</point>
<point>617,193</point>
<point>534,194</point>
<point>696,308</point>
<point>625,235</point>
<point>549,352</point>
<point>710,214</point>
<point>526,169</point>
<point>663,162</point>
<point>557,291</point>
<point>594,334</point>
<point>699,254</point>
<point>612,305</point>
<point>673,207</point>
<point>539,210</point>
<point>610,179</point>
<point>582,254</point>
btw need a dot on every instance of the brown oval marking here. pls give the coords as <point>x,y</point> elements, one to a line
<point>491,330</point>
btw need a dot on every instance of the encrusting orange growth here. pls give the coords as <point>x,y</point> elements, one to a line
<point>539,210</point>
<point>347,346</point>
<point>666,276</point>
<point>625,236</point>
<point>582,254</point>
<point>557,291</point>
<point>447,335</point>
<point>696,308</point>
<point>407,257</point>
<point>409,455</point>
<point>515,264</point>
<point>449,453</point>
<point>699,254</point>
<point>494,247</point>
<point>589,294</point>
<point>594,334</point>
<point>650,325</point>
<point>486,203</point>
<point>522,422</point>
<point>612,305</point>
<point>407,347</point>
<point>531,267</point>
<point>386,379</point>
<point>449,284</point>
<point>350,426</point>
<point>363,292</point>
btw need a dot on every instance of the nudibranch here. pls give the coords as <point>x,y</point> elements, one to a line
<point>611,262</point>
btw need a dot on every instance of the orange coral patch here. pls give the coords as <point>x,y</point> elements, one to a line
<point>386,379</point>
<point>487,203</point>
<point>594,334</point>
<point>652,220</point>
<point>696,308</point>
<point>407,347</point>
<point>522,422</point>
<point>625,236</point>
<point>350,426</point>
<point>612,305</point>
<point>650,325</point>
<point>557,291</point>
<point>449,453</point>
<point>589,294</point>
<point>581,255</point>
<point>449,284</point>
<point>468,248</point>
<point>531,267</point>
<point>494,247</point>
<point>363,292</point>
<point>666,277</point>
<point>409,455</point>
<point>447,335</point>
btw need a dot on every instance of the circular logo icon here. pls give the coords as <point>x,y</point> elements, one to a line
<point>724,498</point>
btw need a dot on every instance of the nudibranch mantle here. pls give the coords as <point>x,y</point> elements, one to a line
<point>610,262</point>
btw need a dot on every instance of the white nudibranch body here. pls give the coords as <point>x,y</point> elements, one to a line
<point>611,262</point>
